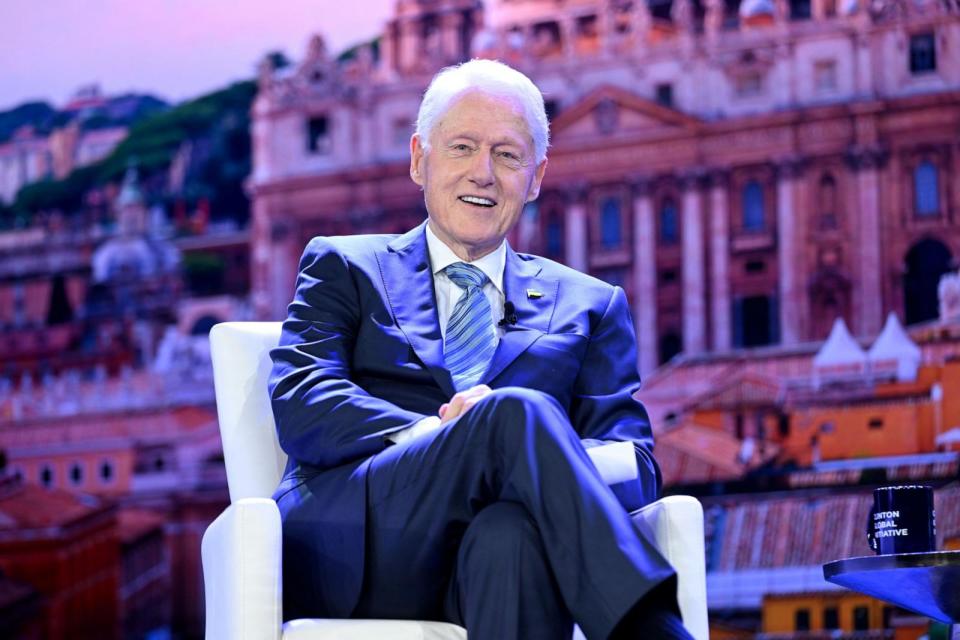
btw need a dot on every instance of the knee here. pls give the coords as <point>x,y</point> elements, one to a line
<point>501,531</point>
<point>513,419</point>
<point>513,406</point>
<point>519,399</point>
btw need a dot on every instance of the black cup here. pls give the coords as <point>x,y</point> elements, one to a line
<point>902,520</point>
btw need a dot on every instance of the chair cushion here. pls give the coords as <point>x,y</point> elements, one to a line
<point>371,630</point>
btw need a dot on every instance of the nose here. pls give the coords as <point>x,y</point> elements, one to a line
<point>481,169</point>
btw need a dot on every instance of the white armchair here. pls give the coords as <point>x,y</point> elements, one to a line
<point>241,548</point>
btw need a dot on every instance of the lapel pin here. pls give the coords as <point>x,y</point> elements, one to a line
<point>533,293</point>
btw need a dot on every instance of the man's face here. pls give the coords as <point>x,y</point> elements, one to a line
<point>478,174</point>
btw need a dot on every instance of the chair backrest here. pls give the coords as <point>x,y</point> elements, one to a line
<point>241,369</point>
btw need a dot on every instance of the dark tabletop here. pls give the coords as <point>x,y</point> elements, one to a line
<point>925,583</point>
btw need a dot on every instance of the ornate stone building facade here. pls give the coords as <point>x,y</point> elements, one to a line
<point>747,170</point>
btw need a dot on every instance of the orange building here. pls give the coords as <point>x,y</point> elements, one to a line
<point>835,615</point>
<point>784,446</point>
<point>813,408</point>
<point>67,550</point>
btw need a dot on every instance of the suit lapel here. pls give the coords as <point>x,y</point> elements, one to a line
<point>408,282</point>
<point>521,277</point>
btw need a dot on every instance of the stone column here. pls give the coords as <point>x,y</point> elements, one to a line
<point>863,65</point>
<point>409,53</point>
<point>719,260</point>
<point>576,227</point>
<point>789,241</point>
<point>450,26</point>
<point>274,257</point>
<point>260,299</point>
<point>388,46</point>
<point>713,20</point>
<point>817,10</point>
<point>641,20</point>
<point>568,36</point>
<point>285,250</point>
<point>867,289</point>
<point>644,275</point>
<point>694,306</point>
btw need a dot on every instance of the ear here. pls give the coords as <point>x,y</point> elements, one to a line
<point>537,179</point>
<point>417,154</point>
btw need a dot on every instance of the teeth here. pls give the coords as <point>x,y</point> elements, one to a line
<point>483,202</point>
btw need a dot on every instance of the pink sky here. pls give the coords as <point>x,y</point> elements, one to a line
<point>175,49</point>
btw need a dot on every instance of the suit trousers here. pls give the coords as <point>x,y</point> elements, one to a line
<point>498,521</point>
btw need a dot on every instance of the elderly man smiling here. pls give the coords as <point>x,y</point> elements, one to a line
<point>436,393</point>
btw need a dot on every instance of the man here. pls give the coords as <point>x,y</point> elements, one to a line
<point>436,392</point>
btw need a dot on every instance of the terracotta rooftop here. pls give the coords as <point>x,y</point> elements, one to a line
<point>28,506</point>
<point>693,454</point>
<point>794,529</point>
<point>135,523</point>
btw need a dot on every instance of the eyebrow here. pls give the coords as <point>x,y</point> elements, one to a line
<point>504,142</point>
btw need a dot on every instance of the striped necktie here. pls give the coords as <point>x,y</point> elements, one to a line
<point>470,340</point>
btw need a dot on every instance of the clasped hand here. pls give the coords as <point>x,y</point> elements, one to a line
<point>462,401</point>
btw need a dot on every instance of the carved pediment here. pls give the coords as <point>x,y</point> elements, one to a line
<point>610,110</point>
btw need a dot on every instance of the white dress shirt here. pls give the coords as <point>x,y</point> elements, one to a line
<point>448,293</point>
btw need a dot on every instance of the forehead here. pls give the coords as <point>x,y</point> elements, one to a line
<point>483,115</point>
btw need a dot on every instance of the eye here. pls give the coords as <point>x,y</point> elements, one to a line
<point>460,147</point>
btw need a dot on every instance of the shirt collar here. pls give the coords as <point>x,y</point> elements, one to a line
<point>492,264</point>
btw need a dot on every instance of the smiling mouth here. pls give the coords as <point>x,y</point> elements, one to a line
<point>477,201</point>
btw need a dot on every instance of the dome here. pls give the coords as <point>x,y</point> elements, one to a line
<point>848,7</point>
<point>133,258</point>
<point>757,8</point>
<point>127,259</point>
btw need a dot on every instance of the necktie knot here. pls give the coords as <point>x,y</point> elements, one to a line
<point>465,275</point>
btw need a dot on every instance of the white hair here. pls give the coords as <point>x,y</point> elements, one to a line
<point>491,77</point>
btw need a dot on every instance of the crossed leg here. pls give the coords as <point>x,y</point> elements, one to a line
<point>511,468</point>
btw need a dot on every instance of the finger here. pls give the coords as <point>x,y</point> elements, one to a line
<point>478,389</point>
<point>453,408</point>
<point>443,409</point>
<point>456,402</point>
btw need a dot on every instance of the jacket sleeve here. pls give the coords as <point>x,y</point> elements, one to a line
<point>323,418</point>
<point>603,407</point>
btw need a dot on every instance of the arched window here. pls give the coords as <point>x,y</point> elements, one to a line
<point>669,233</point>
<point>754,218</point>
<point>926,196</point>
<point>611,225</point>
<point>828,202</point>
<point>670,345</point>
<point>76,473</point>
<point>554,236</point>
<point>46,475</point>
<point>106,471</point>
<point>926,262</point>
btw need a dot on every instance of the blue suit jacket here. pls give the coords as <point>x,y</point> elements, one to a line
<point>361,357</point>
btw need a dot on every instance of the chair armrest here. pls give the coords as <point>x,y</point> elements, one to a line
<point>241,553</point>
<point>675,526</point>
